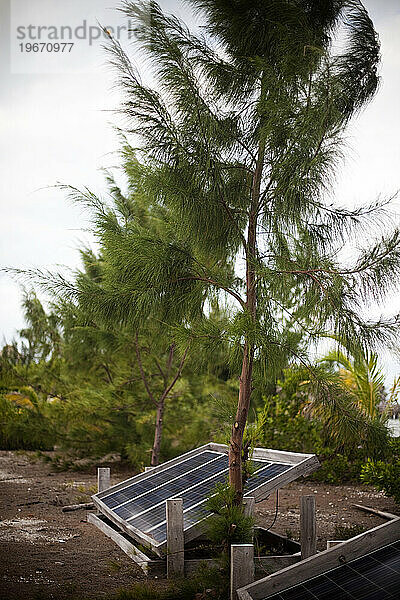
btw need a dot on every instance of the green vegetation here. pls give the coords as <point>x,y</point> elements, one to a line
<point>385,475</point>
<point>218,263</point>
<point>345,533</point>
<point>243,136</point>
<point>228,523</point>
<point>205,584</point>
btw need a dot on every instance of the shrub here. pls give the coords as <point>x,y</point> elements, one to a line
<point>385,475</point>
<point>337,468</point>
<point>348,532</point>
<point>228,524</point>
<point>24,422</point>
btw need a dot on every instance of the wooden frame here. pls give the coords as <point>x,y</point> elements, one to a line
<point>158,567</point>
<point>302,464</point>
<point>320,563</point>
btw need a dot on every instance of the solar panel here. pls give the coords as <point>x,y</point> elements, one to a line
<point>375,576</point>
<point>366,567</point>
<point>138,505</point>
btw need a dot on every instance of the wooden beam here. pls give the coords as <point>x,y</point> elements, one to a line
<point>248,511</point>
<point>175,538</point>
<point>72,507</point>
<point>134,553</point>
<point>242,567</point>
<point>373,511</point>
<point>308,528</point>
<point>333,543</point>
<point>249,506</point>
<point>268,454</point>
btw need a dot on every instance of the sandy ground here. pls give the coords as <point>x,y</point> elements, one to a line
<point>45,553</point>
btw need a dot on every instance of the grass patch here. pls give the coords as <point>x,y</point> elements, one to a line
<point>347,532</point>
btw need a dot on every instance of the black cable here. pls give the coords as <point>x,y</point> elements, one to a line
<point>276,511</point>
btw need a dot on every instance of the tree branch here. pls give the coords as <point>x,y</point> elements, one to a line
<point>212,282</point>
<point>142,373</point>
<point>175,379</point>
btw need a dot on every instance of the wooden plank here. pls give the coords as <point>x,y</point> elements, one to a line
<point>72,507</point>
<point>175,538</point>
<point>103,478</point>
<point>249,503</point>
<point>373,511</point>
<point>333,543</point>
<point>248,510</point>
<point>324,561</point>
<point>134,553</point>
<point>139,536</point>
<point>242,566</point>
<point>292,458</point>
<point>308,528</point>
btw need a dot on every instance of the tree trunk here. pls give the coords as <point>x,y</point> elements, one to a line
<point>245,386</point>
<point>155,453</point>
<point>236,442</point>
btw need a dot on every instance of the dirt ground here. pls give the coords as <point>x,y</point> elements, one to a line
<point>45,553</point>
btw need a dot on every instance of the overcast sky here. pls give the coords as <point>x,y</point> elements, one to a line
<point>56,126</point>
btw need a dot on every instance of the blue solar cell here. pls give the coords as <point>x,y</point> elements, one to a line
<point>190,497</point>
<point>195,500</point>
<point>145,485</point>
<point>142,504</point>
<point>170,489</point>
<point>375,576</point>
<point>265,474</point>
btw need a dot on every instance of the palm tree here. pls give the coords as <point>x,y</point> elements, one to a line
<point>364,377</point>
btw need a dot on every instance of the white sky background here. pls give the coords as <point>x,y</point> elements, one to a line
<point>55,125</point>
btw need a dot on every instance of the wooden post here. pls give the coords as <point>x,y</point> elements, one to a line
<point>242,567</point>
<point>249,506</point>
<point>249,509</point>
<point>175,538</point>
<point>103,478</point>
<point>308,529</point>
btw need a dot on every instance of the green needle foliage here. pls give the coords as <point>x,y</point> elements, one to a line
<point>240,136</point>
<point>242,132</point>
<point>228,523</point>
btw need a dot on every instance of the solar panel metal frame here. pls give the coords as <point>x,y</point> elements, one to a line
<point>323,562</point>
<point>301,464</point>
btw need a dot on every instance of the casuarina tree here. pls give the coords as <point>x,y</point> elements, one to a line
<point>240,130</point>
<point>243,126</point>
